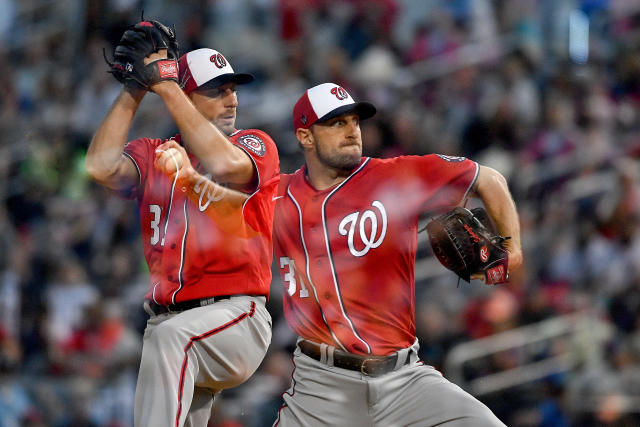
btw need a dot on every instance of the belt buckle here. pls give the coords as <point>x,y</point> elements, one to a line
<point>363,369</point>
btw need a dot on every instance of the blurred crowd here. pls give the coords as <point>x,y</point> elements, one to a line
<point>515,85</point>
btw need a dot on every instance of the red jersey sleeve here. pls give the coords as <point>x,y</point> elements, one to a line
<point>436,181</point>
<point>452,178</point>
<point>139,151</point>
<point>258,209</point>
<point>263,153</point>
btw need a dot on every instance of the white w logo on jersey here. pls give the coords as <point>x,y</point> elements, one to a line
<point>352,221</point>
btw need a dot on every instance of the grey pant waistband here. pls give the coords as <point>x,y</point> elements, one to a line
<point>153,309</point>
<point>368,365</point>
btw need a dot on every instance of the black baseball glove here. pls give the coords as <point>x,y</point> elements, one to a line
<point>138,42</point>
<point>466,242</point>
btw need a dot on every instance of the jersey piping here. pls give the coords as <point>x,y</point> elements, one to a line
<point>306,256</point>
<point>153,294</point>
<point>255,165</point>
<point>173,187</point>
<point>473,181</point>
<point>182,254</point>
<point>333,270</point>
<point>137,167</point>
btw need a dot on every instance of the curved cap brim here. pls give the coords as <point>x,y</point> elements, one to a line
<point>237,78</point>
<point>363,109</point>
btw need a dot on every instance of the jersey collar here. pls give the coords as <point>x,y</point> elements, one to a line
<point>304,177</point>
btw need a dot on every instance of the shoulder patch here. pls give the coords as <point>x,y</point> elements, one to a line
<point>253,143</point>
<point>452,159</point>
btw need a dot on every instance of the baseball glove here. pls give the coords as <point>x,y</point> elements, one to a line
<point>138,42</point>
<point>466,242</point>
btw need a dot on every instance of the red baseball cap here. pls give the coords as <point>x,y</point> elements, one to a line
<point>325,101</point>
<point>207,68</point>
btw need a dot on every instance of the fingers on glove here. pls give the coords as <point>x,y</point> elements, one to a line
<point>156,35</point>
<point>173,51</point>
<point>164,30</point>
<point>136,39</point>
<point>169,37</point>
<point>141,41</point>
<point>124,52</point>
<point>157,39</point>
<point>136,44</point>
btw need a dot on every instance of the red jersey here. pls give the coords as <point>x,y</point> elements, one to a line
<point>191,249</point>
<point>347,254</point>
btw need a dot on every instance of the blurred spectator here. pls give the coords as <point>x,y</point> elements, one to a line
<point>66,298</point>
<point>101,343</point>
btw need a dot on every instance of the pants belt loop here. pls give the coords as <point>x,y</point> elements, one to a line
<point>147,308</point>
<point>207,301</point>
<point>402,357</point>
<point>413,354</point>
<point>330,350</point>
<point>323,353</point>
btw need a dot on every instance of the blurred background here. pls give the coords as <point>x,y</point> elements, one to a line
<point>547,92</point>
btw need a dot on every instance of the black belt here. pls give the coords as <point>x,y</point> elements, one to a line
<point>368,365</point>
<point>184,305</point>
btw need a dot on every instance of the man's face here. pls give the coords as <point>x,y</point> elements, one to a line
<point>338,142</point>
<point>218,105</point>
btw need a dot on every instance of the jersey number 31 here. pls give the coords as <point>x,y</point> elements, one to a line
<point>290,278</point>
<point>155,224</point>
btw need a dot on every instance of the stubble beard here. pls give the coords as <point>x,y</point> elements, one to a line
<point>223,127</point>
<point>342,162</point>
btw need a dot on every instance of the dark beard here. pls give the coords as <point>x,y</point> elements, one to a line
<point>345,163</point>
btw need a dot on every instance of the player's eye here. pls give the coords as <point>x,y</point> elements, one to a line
<point>210,93</point>
<point>218,92</point>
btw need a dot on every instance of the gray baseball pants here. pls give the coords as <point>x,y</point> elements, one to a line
<point>412,395</point>
<point>187,357</point>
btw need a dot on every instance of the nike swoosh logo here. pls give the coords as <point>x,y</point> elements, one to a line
<point>274,198</point>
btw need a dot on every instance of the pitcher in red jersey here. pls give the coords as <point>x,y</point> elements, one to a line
<point>206,202</point>
<point>345,236</point>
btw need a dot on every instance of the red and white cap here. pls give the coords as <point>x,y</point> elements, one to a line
<point>208,67</point>
<point>325,101</point>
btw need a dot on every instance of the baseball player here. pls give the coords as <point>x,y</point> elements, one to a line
<point>205,200</point>
<point>345,241</point>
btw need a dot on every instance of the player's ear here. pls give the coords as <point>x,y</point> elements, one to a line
<point>305,138</point>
